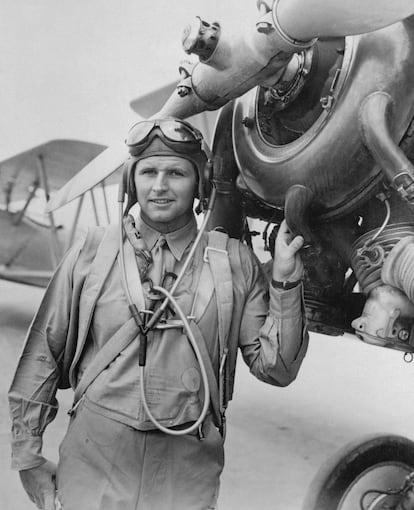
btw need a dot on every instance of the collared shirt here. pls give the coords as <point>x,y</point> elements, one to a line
<point>270,334</point>
<point>177,241</point>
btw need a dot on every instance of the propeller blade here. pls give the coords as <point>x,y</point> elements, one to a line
<point>152,102</point>
<point>104,165</point>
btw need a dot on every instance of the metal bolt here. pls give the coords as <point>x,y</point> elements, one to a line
<point>248,122</point>
<point>403,335</point>
<point>183,90</point>
<point>264,27</point>
<point>326,102</point>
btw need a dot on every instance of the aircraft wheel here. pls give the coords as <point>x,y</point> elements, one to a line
<point>354,477</point>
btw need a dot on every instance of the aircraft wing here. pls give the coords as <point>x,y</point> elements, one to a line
<point>61,160</point>
<point>97,170</point>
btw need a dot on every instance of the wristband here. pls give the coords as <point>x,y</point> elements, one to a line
<point>285,285</point>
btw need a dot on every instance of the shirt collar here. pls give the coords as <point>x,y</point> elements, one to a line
<point>177,241</point>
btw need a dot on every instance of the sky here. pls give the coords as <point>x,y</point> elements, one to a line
<point>69,68</point>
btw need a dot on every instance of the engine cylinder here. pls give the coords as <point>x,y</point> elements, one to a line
<point>368,256</point>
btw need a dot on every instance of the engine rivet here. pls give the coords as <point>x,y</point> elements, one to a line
<point>403,335</point>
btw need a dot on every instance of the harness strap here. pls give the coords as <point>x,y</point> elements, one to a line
<point>211,376</point>
<point>116,344</point>
<point>216,256</point>
<point>104,258</point>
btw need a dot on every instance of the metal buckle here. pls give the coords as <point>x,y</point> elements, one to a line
<point>205,256</point>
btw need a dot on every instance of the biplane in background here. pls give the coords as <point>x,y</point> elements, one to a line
<point>33,240</point>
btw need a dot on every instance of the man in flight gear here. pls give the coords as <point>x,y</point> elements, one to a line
<point>144,321</point>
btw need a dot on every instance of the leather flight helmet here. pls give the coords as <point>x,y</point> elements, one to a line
<point>167,137</point>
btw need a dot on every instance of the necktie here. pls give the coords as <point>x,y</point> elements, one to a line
<point>157,268</point>
<point>162,261</point>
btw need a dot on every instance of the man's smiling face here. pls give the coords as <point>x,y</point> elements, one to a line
<point>166,187</point>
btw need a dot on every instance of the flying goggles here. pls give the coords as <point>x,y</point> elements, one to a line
<point>179,135</point>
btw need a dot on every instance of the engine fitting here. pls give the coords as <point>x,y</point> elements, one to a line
<point>384,267</point>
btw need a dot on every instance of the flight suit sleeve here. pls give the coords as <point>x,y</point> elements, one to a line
<point>273,336</point>
<point>32,395</point>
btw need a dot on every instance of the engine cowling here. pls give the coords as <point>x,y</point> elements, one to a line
<point>316,139</point>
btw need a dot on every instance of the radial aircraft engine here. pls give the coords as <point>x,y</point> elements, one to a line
<point>317,127</point>
<point>319,132</point>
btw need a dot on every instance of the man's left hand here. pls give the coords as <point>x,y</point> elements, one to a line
<point>287,264</point>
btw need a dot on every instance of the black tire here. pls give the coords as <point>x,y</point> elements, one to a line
<point>373,463</point>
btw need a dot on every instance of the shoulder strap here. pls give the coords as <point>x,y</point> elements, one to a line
<point>217,256</point>
<point>101,264</point>
<point>211,376</point>
<point>100,267</point>
<point>239,276</point>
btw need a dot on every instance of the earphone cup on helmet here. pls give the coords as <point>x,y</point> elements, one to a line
<point>125,176</point>
<point>128,183</point>
<point>206,180</point>
<point>205,172</point>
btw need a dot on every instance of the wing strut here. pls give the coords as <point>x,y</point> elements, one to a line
<point>55,246</point>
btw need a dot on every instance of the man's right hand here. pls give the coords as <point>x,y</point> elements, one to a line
<point>40,484</point>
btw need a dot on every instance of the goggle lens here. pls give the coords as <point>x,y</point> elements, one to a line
<point>172,130</point>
